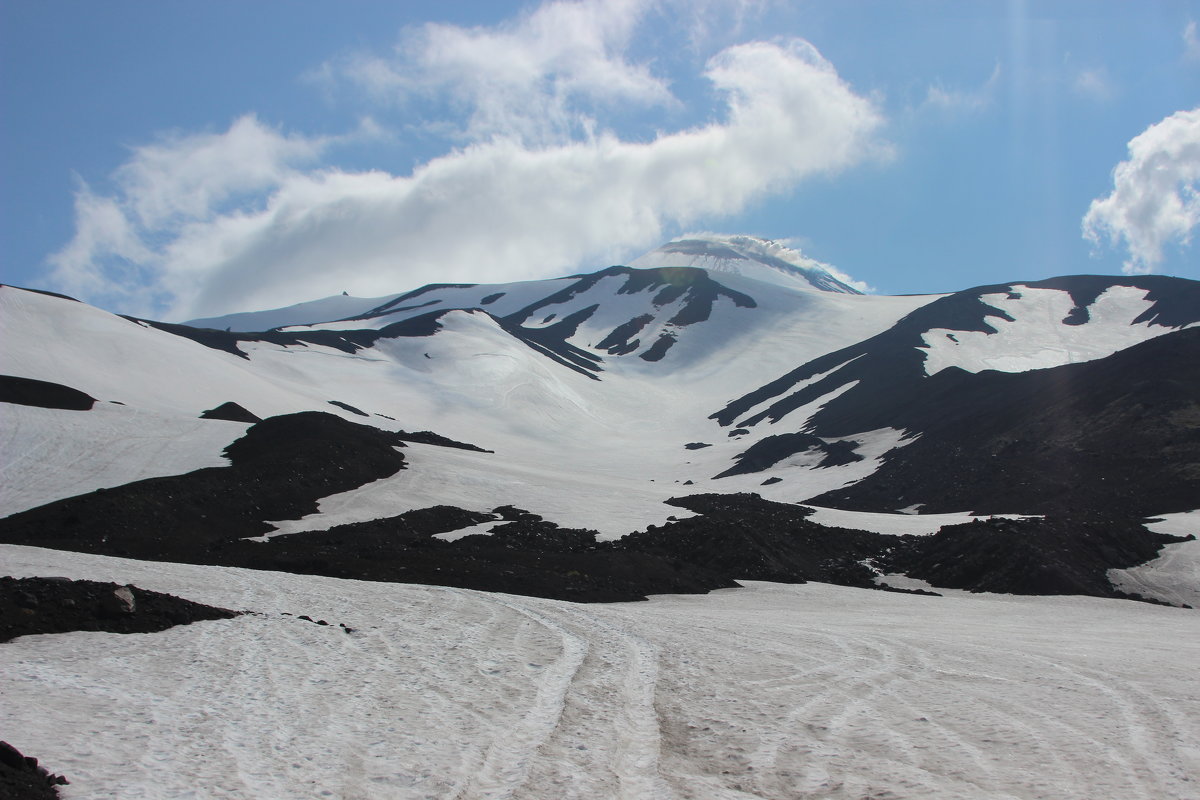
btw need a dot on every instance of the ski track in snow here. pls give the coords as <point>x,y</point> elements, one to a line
<point>770,691</point>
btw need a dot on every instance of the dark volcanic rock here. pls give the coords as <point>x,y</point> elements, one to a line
<point>887,370</point>
<point>280,468</point>
<point>698,290</point>
<point>620,339</point>
<point>744,536</point>
<point>39,291</point>
<point>528,556</point>
<point>43,394</point>
<point>660,347</point>
<point>1041,556</point>
<point>349,408</point>
<point>232,412</point>
<point>770,450</point>
<point>429,437</point>
<point>22,778</point>
<point>535,536</point>
<point>1120,435</point>
<point>346,341</point>
<point>56,605</point>
<point>283,465</point>
<point>514,514</point>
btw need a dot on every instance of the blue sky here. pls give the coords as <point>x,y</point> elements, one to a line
<point>179,159</point>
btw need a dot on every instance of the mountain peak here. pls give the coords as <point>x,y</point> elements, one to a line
<point>761,259</point>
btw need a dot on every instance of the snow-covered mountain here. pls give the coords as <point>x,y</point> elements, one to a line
<point>326,309</point>
<point>603,395</point>
<point>760,259</point>
<point>638,430</point>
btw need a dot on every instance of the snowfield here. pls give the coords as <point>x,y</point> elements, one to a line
<point>51,454</point>
<point>771,691</point>
<point>1035,338</point>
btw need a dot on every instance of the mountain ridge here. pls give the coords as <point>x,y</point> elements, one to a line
<point>593,399</point>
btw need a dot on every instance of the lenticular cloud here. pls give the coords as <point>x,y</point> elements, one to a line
<point>1154,201</point>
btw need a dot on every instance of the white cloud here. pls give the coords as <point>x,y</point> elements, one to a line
<point>103,230</point>
<point>252,218</point>
<point>1093,84</point>
<point>787,250</point>
<point>964,100</point>
<point>190,176</point>
<point>163,188</point>
<point>1154,201</point>
<point>536,78</point>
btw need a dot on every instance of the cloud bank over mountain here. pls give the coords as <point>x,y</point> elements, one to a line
<point>203,223</point>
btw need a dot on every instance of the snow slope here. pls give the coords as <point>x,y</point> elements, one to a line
<point>326,309</point>
<point>51,454</point>
<point>769,691</point>
<point>598,447</point>
<point>599,454</point>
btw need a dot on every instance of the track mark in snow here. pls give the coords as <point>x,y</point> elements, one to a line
<point>839,716</point>
<point>635,761</point>
<point>788,693</point>
<point>506,764</point>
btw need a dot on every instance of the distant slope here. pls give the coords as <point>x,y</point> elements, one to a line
<point>1118,435</point>
<point>604,394</point>
<point>325,310</point>
<point>1106,417</point>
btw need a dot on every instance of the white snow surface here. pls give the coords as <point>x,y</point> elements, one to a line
<point>1173,577</point>
<point>585,453</point>
<point>900,523</point>
<point>770,691</point>
<point>513,297</point>
<point>326,309</point>
<point>1037,337</point>
<point>51,454</point>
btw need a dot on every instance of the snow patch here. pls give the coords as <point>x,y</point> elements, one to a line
<point>1037,338</point>
<point>1173,577</point>
<point>899,524</point>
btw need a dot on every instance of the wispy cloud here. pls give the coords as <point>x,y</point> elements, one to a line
<point>1094,84</point>
<point>1191,42</point>
<point>255,217</point>
<point>1155,200</point>
<point>963,100</point>
<point>539,78</point>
